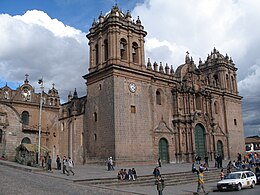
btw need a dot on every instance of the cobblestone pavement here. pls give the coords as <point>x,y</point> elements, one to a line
<point>83,172</point>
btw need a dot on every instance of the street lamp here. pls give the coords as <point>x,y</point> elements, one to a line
<point>40,122</point>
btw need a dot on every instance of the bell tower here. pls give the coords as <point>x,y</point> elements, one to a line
<point>115,39</point>
<point>116,62</point>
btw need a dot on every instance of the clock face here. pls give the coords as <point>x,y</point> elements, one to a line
<point>132,87</point>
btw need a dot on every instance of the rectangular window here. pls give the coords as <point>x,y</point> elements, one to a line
<point>235,121</point>
<point>133,109</point>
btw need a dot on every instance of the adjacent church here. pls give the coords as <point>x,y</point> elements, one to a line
<point>135,111</point>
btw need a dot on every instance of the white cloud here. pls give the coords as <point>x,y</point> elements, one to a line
<point>197,26</point>
<point>40,46</point>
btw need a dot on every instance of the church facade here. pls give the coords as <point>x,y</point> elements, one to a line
<point>19,119</point>
<point>137,112</point>
<point>134,111</point>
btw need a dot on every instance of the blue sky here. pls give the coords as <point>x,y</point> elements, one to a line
<point>76,13</point>
<point>47,38</point>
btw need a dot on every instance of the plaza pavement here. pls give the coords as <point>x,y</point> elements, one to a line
<point>89,172</point>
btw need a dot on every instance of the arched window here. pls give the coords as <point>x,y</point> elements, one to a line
<point>95,116</point>
<point>232,84</point>
<point>96,54</point>
<point>69,111</point>
<point>26,140</point>
<point>216,108</point>
<point>106,50</point>
<point>158,98</point>
<point>123,49</point>
<point>135,52</point>
<point>227,81</point>
<point>216,80</point>
<point>198,102</point>
<point>25,118</point>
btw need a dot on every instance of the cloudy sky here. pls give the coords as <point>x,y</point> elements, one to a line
<point>47,39</point>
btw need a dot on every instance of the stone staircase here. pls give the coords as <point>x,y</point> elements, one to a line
<point>170,179</point>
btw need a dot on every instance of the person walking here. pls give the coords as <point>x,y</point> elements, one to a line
<point>70,166</point>
<point>65,165</point>
<point>200,181</point>
<point>160,185</point>
<point>49,163</point>
<point>111,163</point>
<point>58,163</point>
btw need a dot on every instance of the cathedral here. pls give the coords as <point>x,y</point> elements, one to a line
<point>134,111</point>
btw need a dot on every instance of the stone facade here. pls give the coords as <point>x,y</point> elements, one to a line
<point>19,112</point>
<point>71,134</point>
<point>134,111</point>
<point>137,113</point>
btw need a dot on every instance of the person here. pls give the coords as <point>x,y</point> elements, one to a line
<point>111,163</point>
<point>49,163</point>
<point>120,174</point>
<point>160,185</point>
<point>70,166</point>
<point>156,172</point>
<point>58,163</point>
<point>239,157</point>
<point>42,160</point>
<point>130,174</point>
<point>134,175</point>
<point>222,174</point>
<point>108,164</point>
<point>193,168</point>
<point>206,160</point>
<point>124,175</point>
<point>159,162</point>
<point>65,165</point>
<point>200,181</point>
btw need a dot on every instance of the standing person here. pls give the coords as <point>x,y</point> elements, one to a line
<point>111,163</point>
<point>206,160</point>
<point>222,174</point>
<point>160,185</point>
<point>49,163</point>
<point>159,162</point>
<point>58,163</point>
<point>70,166</point>
<point>65,165</point>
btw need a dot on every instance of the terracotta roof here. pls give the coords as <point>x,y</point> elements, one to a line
<point>32,147</point>
<point>252,139</point>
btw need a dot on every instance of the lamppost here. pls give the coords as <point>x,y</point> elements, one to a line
<point>4,140</point>
<point>40,122</point>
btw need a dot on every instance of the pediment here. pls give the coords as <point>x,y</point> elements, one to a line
<point>219,130</point>
<point>163,128</point>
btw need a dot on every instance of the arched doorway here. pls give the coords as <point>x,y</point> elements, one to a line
<point>220,150</point>
<point>200,140</point>
<point>164,150</point>
<point>26,140</point>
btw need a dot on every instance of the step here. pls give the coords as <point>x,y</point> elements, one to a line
<point>179,177</point>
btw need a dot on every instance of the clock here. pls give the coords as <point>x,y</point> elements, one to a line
<point>132,87</point>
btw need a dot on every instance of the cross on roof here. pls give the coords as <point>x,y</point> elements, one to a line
<point>26,76</point>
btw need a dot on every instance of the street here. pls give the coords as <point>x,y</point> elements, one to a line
<point>247,191</point>
<point>15,181</point>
